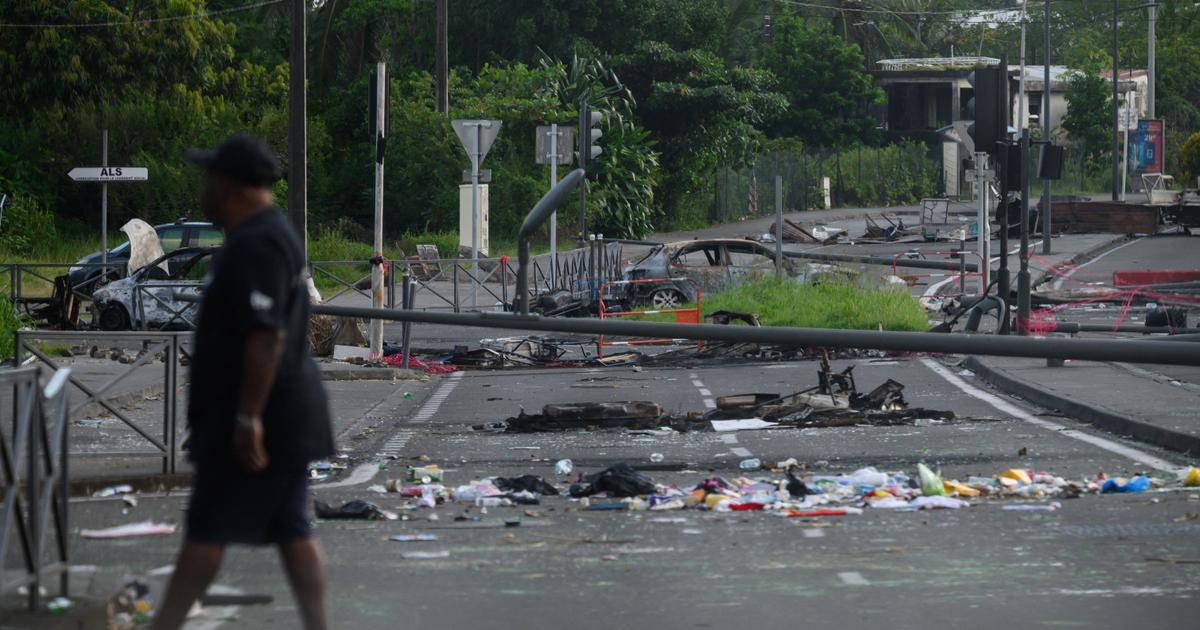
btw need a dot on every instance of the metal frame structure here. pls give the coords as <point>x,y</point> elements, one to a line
<point>33,479</point>
<point>167,343</point>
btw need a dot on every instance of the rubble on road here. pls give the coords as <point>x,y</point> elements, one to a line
<point>834,402</point>
<point>622,487</point>
<point>893,231</point>
<point>795,233</point>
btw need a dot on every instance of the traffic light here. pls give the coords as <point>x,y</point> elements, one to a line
<point>589,123</point>
<point>989,107</point>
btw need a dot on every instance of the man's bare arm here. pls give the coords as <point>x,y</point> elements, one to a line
<point>260,362</point>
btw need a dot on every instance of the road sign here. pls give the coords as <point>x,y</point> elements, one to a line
<point>109,174</point>
<point>485,176</point>
<point>465,129</point>
<point>566,140</point>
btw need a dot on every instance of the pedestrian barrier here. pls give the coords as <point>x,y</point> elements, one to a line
<point>166,345</point>
<point>33,481</point>
<point>961,274</point>
<point>682,316</point>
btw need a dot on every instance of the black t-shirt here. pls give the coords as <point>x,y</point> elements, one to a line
<point>257,282</point>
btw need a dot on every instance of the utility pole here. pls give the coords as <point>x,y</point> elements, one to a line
<point>1044,122</point>
<point>104,206</point>
<point>583,161</point>
<point>1150,45</point>
<point>554,215</point>
<point>984,236</point>
<point>1021,121</point>
<point>298,127</point>
<point>1116,186</point>
<point>779,227</point>
<point>379,126</point>
<point>443,64</point>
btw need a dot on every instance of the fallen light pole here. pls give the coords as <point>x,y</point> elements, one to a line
<point>947,265</point>
<point>1131,351</point>
<point>545,207</point>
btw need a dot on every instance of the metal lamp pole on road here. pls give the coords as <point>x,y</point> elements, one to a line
<point>1116,196</point>
<point>1044,121</point>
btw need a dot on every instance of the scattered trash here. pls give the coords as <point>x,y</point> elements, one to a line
<point>748,424</point>
<point>1139,483</point>
<point>750,464</point>
<point>413,538</point>
<point>656,457</point>
<point>144,528</point>
<point>618,480</point>
<point>1191,478</point>
<point>822,512</point>
<point>424,474</point>
<point>59,605</point>
<point>113,491</point>
<point>357,509</point>
<point>936,503</point>
<point>131,607</point>
<point>525,483</point>
<point>931,482</point>
<point>564,467</point>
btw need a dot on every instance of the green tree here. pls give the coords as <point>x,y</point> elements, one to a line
<point>698,111</point>
<point>1189,160</point>
<point>1089,114</point>
<point>821,76</point>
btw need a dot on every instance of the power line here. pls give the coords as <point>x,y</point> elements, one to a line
<point>174,18</point>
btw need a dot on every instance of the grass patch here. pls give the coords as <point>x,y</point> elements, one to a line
<point>10,322</point>
<point>826,305</point>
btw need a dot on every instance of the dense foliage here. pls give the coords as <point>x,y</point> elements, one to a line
<point>688,88</point>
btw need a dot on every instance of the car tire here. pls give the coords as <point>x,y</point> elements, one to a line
<point>666,299</point>
<point>113,317</point>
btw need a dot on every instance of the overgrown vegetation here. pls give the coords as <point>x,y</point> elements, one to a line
<point>10,322</point>
<point>825,304</point>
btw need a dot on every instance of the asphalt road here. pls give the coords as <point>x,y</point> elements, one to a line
<point>1099,561</point>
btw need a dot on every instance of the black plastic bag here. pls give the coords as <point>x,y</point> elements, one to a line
<point>529,483</point>
<point>357,509</point>
<point>618,480</point>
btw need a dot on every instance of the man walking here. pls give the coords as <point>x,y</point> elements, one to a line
<point>257,410</point>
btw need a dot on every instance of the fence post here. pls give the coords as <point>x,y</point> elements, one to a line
<point>32,482</point>
<point>504,282</point>
<point>456,287</point>
<point>406,301</point>
<point>170,356</point>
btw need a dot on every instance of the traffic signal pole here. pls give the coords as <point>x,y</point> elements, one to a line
<point>1023,281</point>
<point>1003,280</point>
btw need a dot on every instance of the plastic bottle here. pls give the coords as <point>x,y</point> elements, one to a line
<point>750,464</point>
<point>564,467</point>
<point>492,502</point>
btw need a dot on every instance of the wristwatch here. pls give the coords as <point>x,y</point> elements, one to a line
<point>244,421</point>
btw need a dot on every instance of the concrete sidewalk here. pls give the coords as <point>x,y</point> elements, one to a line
<point>1136,401</point>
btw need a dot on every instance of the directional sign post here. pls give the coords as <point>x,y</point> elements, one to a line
<point>559,152</point>
<point>104,174</point>
<point>476,137</point>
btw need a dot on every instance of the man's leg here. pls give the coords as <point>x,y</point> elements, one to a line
<point>194,571</point>
<point>306,573</point>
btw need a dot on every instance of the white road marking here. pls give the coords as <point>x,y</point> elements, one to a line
<point>697,383</point>
<point>361,474</point>
<point>853,578</point>
<point>729,438</point>
<point>1004,406</point>
<point>740,451</point>
<point>1070,272</point>
<point>710,403</point>
<point>813,533</point>
<point>704,392</point>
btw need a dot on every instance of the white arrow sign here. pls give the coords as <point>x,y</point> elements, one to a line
<point>465,129</point>
<point>109,174</point>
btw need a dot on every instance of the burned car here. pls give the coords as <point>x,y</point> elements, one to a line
<point>671,274</point>
<point>146,299</point>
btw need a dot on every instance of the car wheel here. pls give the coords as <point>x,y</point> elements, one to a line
<point>114,317</point>
<point>666,298</point>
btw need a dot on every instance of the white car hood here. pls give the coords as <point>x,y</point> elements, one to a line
<point>144,246</point>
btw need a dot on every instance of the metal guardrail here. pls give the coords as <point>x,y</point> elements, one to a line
<point>19,273</point>
<point>447,282</point>
<point>33,481</point>
<point>169,344</point>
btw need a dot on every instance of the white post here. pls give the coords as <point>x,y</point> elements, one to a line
<point>1150,62</point>
<point>554,215</point>
<point>377,270</point>
<point>475,213</point>
<point>1021,122</point>
<point>1125,152</point>
<point>104,207</point>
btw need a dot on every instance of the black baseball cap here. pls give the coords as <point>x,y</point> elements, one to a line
<point>242,158</point>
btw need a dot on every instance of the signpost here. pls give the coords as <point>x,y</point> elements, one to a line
<point>377,109</point>
<point>104,174</point>
<point>558,152</point>
<point>476,137</point>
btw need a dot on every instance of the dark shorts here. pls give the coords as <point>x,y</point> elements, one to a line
<point>231,506</point>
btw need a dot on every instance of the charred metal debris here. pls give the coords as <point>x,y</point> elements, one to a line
<point>834,402</point>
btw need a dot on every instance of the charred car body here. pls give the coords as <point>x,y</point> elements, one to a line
<point>145,299</point>
<point>671,274</point>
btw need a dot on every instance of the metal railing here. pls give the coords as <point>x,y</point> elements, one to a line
<point>33,481</point>
<point>688,315</point>
<point>157,298</point>
<point>447,283</point>
<point>167,344</point>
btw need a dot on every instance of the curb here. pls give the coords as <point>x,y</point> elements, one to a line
<point>1097,416</point>
<point>370,374</point>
